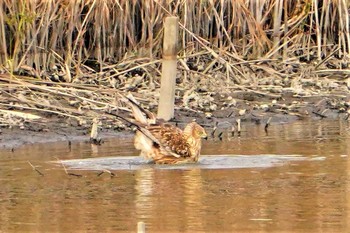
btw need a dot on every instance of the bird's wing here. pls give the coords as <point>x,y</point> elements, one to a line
<point>140,114</point>
<point>140,127</point>
<point>171,140</point>
<point>167,138</point>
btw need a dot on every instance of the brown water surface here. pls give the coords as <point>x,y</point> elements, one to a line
<point>307,192</point>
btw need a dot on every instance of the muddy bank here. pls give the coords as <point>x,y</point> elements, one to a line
<point>248,107</point>
<point>53,131</point>
<point>39,110</point>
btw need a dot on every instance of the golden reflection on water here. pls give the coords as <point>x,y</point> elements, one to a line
<point>300,196</point>
<point>177,203</point>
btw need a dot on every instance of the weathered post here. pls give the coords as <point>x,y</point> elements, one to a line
<point>168,81</point>
<point>141,227</point>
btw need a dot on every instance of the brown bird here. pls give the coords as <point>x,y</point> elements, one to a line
<point>162,142</point>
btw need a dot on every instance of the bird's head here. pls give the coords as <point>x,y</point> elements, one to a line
<point>194,130</point>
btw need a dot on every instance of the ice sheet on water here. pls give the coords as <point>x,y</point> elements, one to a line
<point>205,162</point>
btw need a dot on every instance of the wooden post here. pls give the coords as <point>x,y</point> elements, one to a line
<point>277,15</point>
<point>169,66</point>
<point>141,227</point>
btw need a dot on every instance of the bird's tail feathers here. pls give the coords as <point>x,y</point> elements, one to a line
<point>125,119</point>
<point>138,126</point>
<point>140,114</point>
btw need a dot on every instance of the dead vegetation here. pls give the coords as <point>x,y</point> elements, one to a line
<point>70,59</point>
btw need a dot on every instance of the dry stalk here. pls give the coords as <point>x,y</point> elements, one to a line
<point>35,169</point>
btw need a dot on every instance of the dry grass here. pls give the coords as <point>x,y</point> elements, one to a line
<point>42,34</point>
<point>92,48</point>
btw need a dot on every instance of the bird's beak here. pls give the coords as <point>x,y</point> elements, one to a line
<point>205,136</point>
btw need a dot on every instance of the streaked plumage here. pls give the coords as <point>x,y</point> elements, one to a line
<point>162,142</point>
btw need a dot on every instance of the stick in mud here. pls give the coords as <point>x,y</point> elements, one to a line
<point>66,171</point>
<point>267,124</point>
<point>214,130</point>
<point>220,136</point>
<point>238,127</point>
<point>233,131</point>
<point>94,138</point>
<point>35,169</point>
<point>231,113</point>
<point>106,171</point>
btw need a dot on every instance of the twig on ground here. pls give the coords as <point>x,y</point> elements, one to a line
<point>319,114</point>
<point>35,169</point>
<point>66,171</point>
<point>106,171</point>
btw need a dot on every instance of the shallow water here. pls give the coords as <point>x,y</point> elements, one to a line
<point>296,178</point>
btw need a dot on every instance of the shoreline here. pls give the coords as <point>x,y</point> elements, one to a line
<point>58,130</point>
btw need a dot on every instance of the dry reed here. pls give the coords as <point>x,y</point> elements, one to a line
<point>107,32</point>
<point>91,48</point>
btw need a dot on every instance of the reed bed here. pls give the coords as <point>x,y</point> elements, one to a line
<point>42,34</point>
<point>86,51</point>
